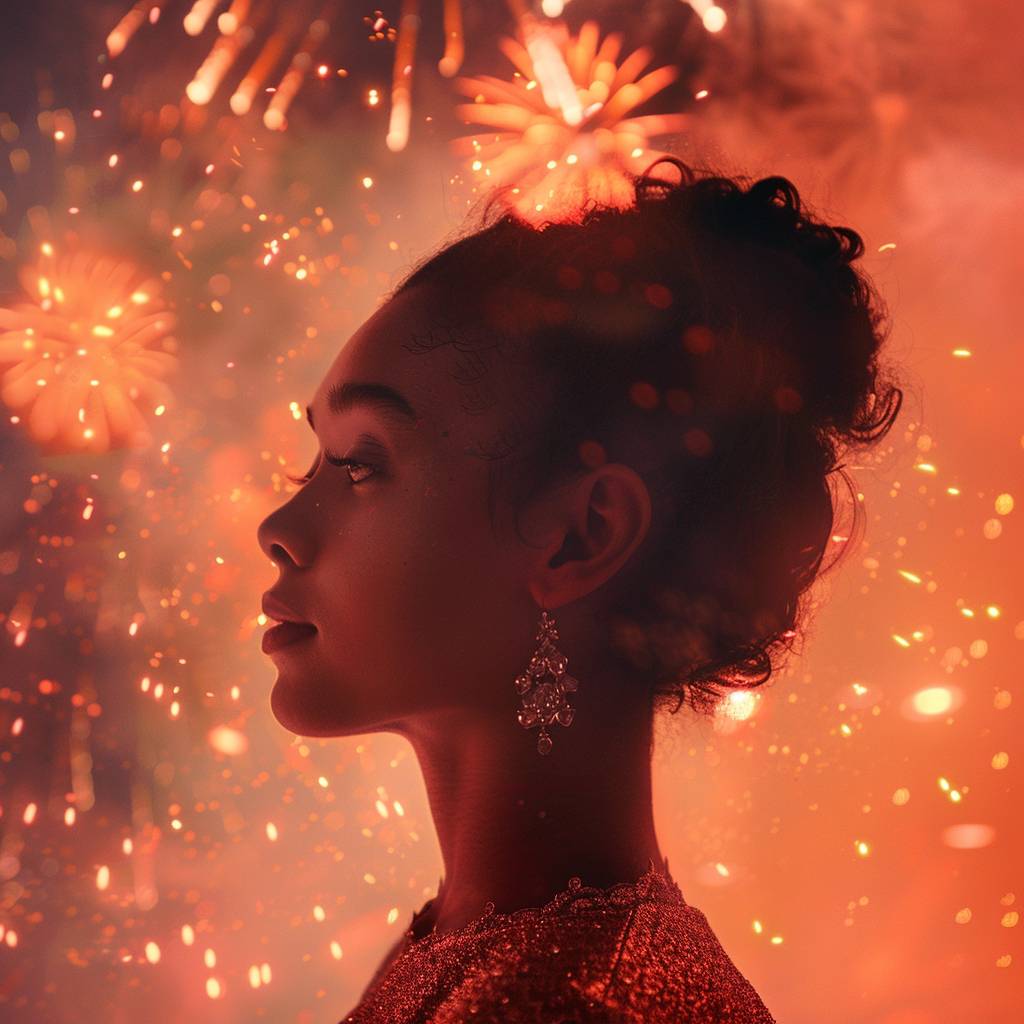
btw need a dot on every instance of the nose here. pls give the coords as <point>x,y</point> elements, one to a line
<point>281,540</point>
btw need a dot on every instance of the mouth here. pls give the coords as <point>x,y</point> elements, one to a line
<point>284,634</point>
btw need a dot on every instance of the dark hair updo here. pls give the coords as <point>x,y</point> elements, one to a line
<point>718,340</point>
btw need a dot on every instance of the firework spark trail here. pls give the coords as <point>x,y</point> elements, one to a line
<point>712,17</point>
<point>454,49</point>
<point>123,31</point>
<point>222,55</point>
<point>274,117</point>
<point>237,28</point>
<point>401,77</point>
<point>196,19</point>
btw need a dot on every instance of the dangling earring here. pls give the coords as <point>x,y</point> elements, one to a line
<point>544,702</point>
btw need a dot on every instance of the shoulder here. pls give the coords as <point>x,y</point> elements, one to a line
<point>596,963</point>
<point>672,967</point>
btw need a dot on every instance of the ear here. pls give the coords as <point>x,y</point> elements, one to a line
<point>594,526</point>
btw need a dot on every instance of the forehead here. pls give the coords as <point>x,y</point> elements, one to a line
<point>447,370</point>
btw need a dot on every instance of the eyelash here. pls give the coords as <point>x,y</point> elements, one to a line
<point>334,460</point>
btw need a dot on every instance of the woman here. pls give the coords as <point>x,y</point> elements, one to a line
<point>626,423</point>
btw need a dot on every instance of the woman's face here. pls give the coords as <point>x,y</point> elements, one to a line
<point>418,605</point>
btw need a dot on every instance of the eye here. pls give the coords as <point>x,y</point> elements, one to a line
<point>335,460</point>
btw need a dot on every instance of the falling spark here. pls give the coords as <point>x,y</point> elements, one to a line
<point>243,96</point>
<point>274,118</point>
<point>211,72</point>
<point>401,76</point>
<point>196,19</point>
<point>712,17</point>
<point>128,25</point>
<point>454,51</point>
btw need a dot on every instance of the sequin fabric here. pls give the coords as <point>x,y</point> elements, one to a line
<point>633,953</point>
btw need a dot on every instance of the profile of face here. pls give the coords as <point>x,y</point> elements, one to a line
<point>420,605</point>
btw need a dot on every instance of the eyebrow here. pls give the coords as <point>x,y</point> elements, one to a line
<point>342,397</point>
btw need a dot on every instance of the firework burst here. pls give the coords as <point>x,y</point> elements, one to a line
<point>559,132</point>
<point>85,352</point>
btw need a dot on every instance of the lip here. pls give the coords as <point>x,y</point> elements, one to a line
<point>284,634</point>
<point>277,610</point>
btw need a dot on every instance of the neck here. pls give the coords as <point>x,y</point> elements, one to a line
<point>515,825</point>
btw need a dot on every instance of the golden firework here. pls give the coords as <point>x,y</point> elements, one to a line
<point>86,354</point>
<point>561,137</point>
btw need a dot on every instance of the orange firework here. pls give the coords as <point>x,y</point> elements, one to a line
<point>560,134</point>
<point>80,354</point>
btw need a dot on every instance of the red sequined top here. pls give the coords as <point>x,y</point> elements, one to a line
<point>634,953</point>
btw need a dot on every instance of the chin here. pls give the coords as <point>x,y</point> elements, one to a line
<point>300,710</point>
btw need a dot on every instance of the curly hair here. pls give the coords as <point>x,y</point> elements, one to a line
<point>718,339</point>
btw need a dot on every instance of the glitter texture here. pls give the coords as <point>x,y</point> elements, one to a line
<point>634,952</point>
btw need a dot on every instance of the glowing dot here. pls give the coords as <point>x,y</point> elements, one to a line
<point>199,92</point>
<point>152,952</point>
<point>935,700</point>
<point>367,182</point>
<point>714,19</point>
<point>968,837</point>
<point>1004,504</point>
<point>137,185</point>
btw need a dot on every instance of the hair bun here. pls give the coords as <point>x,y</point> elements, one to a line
<point>719,338</point>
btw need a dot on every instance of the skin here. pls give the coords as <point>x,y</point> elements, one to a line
<point>425,615</point>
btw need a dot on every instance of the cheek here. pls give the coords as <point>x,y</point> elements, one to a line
<point>414,589</point>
